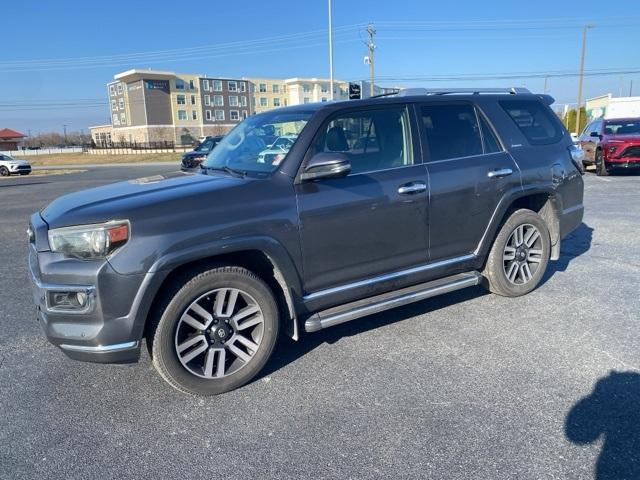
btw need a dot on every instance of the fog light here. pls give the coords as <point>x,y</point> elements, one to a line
<point>67,300</point>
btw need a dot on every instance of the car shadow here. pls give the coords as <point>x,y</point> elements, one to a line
<point>288,350</point>
<point>573,245</point>
<point>611,412</point>
<point>20,184</point>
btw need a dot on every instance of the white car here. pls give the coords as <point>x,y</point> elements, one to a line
<point>10,166</point>
<point>275,152</point>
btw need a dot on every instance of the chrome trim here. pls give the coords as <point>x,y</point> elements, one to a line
<point>387,276</point>
<point>319,323</point>
<point>501,172</point>
<point>116,347</point>
<point>413,187</point>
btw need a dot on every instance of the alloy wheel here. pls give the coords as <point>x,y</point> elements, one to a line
<point>219,333</point>
<point>522,254</point>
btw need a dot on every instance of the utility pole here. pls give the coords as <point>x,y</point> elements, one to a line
<point>371,46</point>
<point>330,51</point>
<point>581,77</point>
<point>631,88</point>
<point>546,82</point>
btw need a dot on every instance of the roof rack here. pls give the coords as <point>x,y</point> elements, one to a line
<point>406,92</point>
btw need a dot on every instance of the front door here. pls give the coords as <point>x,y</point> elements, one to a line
<point>374,220</point>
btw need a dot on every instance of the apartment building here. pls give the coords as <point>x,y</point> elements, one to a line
<point>157,106</point>
<point>267,93</point>
<point>312,90</point>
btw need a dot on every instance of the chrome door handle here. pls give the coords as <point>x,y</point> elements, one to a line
<point>501,172</point>
<point>412,187</point>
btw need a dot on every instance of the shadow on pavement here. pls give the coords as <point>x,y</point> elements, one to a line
<point>288,351</point>
<point>22,184</point>
<point>573,245</point>
<point>611,413</point>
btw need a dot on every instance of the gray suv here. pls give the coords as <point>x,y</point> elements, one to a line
<point>378,203</point>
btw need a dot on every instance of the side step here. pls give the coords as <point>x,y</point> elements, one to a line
<point>379,303</point>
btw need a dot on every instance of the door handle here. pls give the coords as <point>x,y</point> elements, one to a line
<point>500,172</point>
<point>412,187</point>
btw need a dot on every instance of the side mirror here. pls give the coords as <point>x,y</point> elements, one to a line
<point>594,134</point>
<point>326,165</point>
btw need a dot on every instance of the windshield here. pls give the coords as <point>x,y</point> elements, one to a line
<point>246,147</point>
<point>5,157</point>
<point>206,146</point>
<point>622,127</point>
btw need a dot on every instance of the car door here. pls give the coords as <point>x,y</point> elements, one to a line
<point>374,220</point>
<point>588,142</point>
<point>469,172</point>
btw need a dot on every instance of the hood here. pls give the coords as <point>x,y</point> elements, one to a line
<point>123,200</point>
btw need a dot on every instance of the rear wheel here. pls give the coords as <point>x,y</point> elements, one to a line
<point>4,171</point>
<point>519,255</point>
<point>217,331</point>
<point>601,168</point>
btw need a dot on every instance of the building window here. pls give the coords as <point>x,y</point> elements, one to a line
<point>116,120</point>
<point>233,101</point>
<point>179,84</point>
<point>233,86</point>
<point>114,105</point>
<point>119,89</point>
<point>276,102</point>
<point>244,101</point>
<point>219,115</point>
<point>181,99</point>
<point>234,115</point>
<point>191,85</point>
<point>182,114</point>
<point>194,115</point>
<point>323,99</point>
<point>306,88</point>
<point>218,100</point>
<point>207,114</point>
<point>123,119</point>
<point>264,102</point>
<point>262,88</point>
<point>217,85</point>
<point>121,103</point>
<point>244,114</point>
<point>305,100</point>
<point>324,89</point>
<point>243,87</point>
<point>276,88</point>
<point>205,85</point>
<point>207,100</point>
<point>112,90</point>
<point>193,99</point>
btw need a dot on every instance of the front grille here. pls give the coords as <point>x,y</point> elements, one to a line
<point>633,151</point>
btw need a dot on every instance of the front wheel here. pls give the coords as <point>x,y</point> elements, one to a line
<point>216,333</point>
<point>4,171</point>
<point>519,255</point>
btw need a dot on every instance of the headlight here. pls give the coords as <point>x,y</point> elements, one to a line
<point>90,241</point>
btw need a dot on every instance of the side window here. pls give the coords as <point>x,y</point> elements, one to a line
<point>587,129</point>
<point>534,120</point>
<point>491,143</point>
<point>452,131</point>
<point>372,139</point>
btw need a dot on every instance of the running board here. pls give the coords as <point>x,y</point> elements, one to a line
<point>379,303</point>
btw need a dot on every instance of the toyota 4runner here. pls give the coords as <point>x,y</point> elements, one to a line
<point>377,203</point>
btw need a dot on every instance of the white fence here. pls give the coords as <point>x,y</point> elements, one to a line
<point>43,151</point>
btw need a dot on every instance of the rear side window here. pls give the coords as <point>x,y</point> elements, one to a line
<point>535,121</point>
<point>452,131</point>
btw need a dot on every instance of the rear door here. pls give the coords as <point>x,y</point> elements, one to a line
<point>469,172</point>
<point>374,220</point>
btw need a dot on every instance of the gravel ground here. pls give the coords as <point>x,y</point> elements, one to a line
<point>467,385</point>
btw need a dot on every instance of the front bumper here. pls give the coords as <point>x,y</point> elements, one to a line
<point>107,329</point>
<point>631,164</point>
<point>20,169</point>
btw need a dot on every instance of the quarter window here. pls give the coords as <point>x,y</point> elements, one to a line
<point>372,139</point>
<point>534,120</point>
<point>491,143</point>
<point>451,131</point>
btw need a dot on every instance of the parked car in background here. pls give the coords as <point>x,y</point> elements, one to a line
<point>11,166</point>
<point>276,152</point>
<point>612,144</point>
<point>192,160</point>
<point>461,189</point>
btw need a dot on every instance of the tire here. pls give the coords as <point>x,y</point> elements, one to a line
<point>499,276</point>
<point>4,171</point>
<point>177,335</point>
<point>601,168</point>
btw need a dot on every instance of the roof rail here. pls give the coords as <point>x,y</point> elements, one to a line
<point>447,91</point>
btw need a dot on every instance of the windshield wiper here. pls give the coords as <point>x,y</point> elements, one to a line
<point>229,170</point>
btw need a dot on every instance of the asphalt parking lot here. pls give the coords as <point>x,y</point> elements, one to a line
<point>467,385</point>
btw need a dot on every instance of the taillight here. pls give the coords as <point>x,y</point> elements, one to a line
<point>577,157</point>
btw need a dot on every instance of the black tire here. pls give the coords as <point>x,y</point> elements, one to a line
<point>497,268</point>
<point>601,168</point>
<point>180,296</point>
<point>4,171</point>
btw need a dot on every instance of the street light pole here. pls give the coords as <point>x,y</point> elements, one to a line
<point>330,51</point>
<point>581,77</point>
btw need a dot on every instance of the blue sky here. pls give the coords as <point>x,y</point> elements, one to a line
<point>65,52</point>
